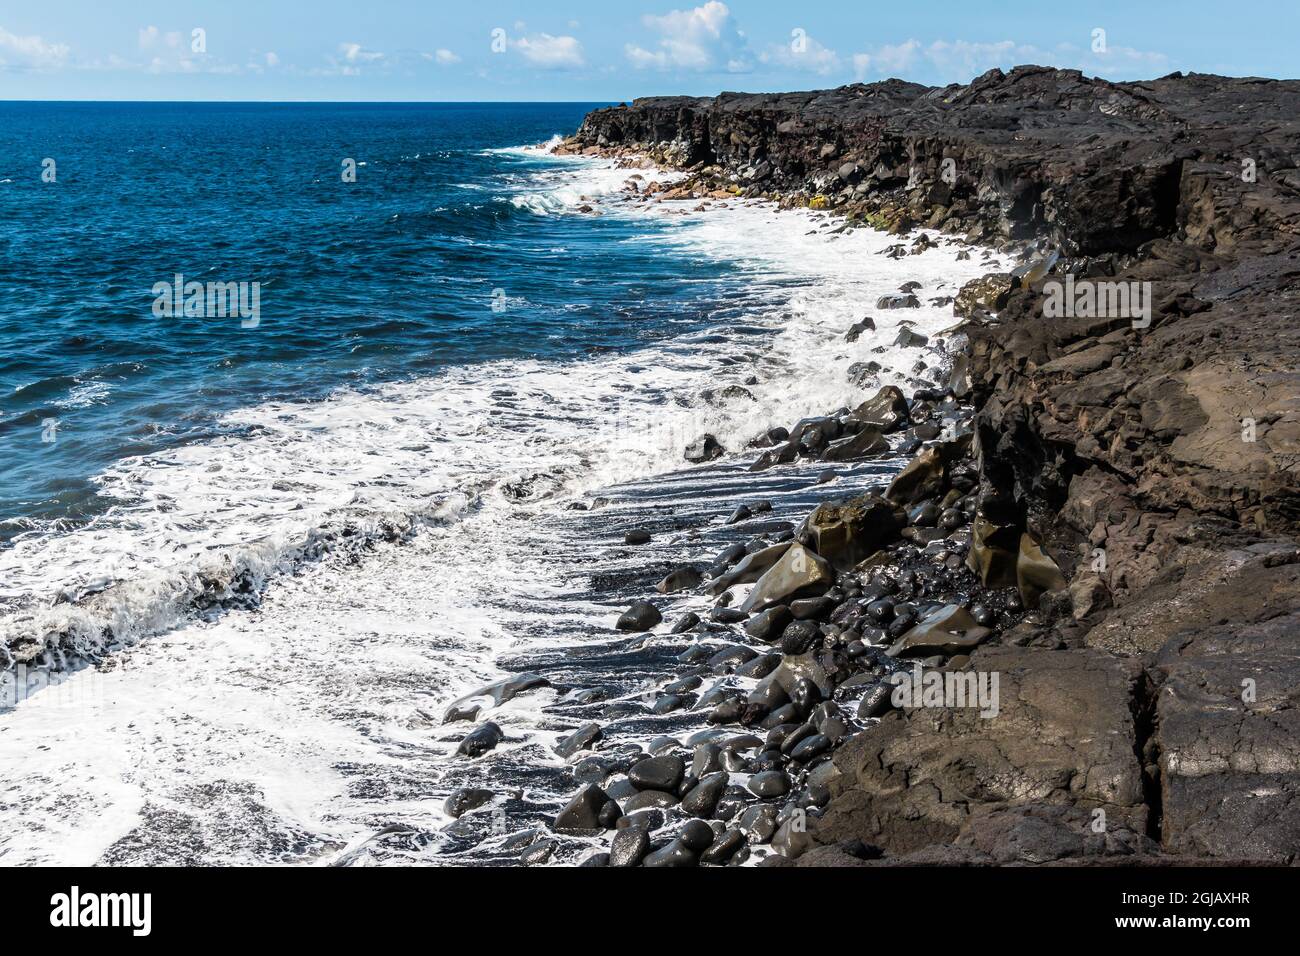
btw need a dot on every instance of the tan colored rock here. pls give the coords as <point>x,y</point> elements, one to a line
<point>926,475</point>
<point>799,572</point>
<point>1036,572</point>
<point>845,533</point>
<point>986,294</point>
<point>949,630</point>
<point>993,553</point>
<point>751,568</point>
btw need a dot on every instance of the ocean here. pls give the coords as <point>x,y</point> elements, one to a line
<point>246,560</point>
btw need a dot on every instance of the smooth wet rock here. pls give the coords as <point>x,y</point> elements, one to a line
<point>948,630</point>
<point>758,824</point>
<point>767,627</point>
<point>926,475</point>
<point>792,839</point>
<point>498,693</point>
<point>855,331</point>
<point>749,570</point>
<point>907,339</point>
<point>1036,573</point>
<point>740,514</point>
<point>466,799</point>
<point>994,552</point>
<point>811,747</point>
<point>583,812</point>
<point>729,658</point>
<point>647,820</point>
<point>868,443</point>
<point>658,773</point>
<point>772,783</point>
<point>650,800</point>
<point>481,741</point>
<point>538,853</point>
<point>462,712</point>
<point>844,533</point>
<point>581,739</point>
<point>669,703</point>
<point>799,638</point>
<point>696,835</point>
<point>675,854</point>
<point>686,622</point>
<point>798,572</point>
<point>707,759</point>
<point>810,609</point>
<point>703,798</point>
<point>760,666</point>
<point>876,701</point>
<point>641,616</point>
<point>683,686</point>
<point>629,847</point>
<point>727,615</point>
<point>886,411</point>
<point>724,847</point>
<point>683,579</point>
<point>703,449</point>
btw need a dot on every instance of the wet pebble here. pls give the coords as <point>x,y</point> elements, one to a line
<point>466,799</point>
<point>629,847</point>
<point>772,783</point>
<point>641,616</point>
<point>703,798</point>
<point>658,773</point>
<point>675,854</point>
<point>480,741</point>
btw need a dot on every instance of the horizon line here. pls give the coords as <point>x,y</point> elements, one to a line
<point>274,102</point>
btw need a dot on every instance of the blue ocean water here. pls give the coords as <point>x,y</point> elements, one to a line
<point>389,278</point>
<point>243,582</point>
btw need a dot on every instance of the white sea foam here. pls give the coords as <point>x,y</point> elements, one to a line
<point>342,664</point>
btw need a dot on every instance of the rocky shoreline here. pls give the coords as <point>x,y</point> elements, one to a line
<point>1095,545</point>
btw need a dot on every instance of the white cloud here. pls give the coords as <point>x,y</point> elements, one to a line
<point>803,52</point>
<point>31,51</point>
<point>151,38</point>
<point>556,53</point>
<point>887,60</point>
<point>962,60</point>
<point>1118,62</point>
<point>446,57</point>
<point>356,53</point>
<point>959,61</point>
<point>176,65</point>
<point>703,38</point>
<point>272,59</point>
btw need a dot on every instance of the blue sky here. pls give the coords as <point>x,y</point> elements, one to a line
<point>604,50</point>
